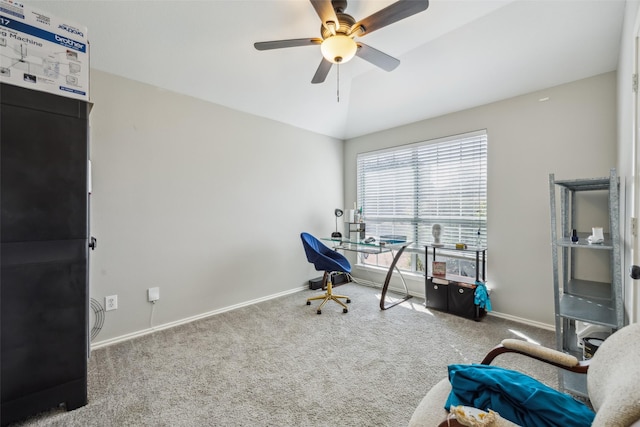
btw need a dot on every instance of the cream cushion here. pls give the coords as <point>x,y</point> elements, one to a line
<point>613,380</point>
<point>430,411</point>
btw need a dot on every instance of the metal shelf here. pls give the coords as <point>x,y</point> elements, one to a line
<point>584,244</point>
<point>575,299</point>
<point>596,291</point>
<point>587,184</point>
<point>587,310</point>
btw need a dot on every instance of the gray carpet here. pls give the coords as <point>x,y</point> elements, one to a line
<point>278,363</point>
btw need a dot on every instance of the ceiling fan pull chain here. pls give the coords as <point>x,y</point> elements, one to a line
<point>338,89</point>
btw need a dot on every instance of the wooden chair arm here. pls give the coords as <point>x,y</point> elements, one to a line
<point>451,422</point>
<point>538,352</point>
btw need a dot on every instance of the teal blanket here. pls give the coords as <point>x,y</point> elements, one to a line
<point>515,396</point>
<point>481,298</point>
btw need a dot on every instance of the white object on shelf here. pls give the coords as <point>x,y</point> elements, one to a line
<point>597,235</point>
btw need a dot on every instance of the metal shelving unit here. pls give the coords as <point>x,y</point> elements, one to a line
<point>598,303</point>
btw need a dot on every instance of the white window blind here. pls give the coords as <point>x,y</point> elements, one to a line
<point>407,189</point>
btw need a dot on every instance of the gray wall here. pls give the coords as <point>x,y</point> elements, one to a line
<point>205,202</point>
<point>573,135</point>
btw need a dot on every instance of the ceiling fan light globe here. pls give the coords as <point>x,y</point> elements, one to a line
<point>338,48</point>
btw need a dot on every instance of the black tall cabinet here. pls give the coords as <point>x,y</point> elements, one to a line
<point>44,253</point>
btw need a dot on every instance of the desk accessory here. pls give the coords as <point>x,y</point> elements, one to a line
<point>338,213</point>
<point>439,268</point>
<point>436,231</point>
<point>393,238</point>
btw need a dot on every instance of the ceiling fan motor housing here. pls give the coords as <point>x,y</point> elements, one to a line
<point>342,27</point>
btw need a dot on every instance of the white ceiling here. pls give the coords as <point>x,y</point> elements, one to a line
<point>457,54</point>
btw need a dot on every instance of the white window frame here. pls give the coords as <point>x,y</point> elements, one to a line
<point>406,189</point>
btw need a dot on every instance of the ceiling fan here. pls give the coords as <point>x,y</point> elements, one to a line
<point>338,31</point>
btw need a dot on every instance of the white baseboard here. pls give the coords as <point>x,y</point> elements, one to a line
<point>522,320</point>
<point>126,337</point>
<point>147,331</point>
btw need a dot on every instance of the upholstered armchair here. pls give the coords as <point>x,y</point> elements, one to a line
<point>613,382</point>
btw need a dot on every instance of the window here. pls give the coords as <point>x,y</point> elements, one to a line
<point>406,190</point>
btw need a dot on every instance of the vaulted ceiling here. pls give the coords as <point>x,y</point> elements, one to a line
<point>456,55</point>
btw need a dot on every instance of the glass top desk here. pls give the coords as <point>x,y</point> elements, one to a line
<point>377,247</point>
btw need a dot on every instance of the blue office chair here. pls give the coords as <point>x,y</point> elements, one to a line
<point>329,261</point>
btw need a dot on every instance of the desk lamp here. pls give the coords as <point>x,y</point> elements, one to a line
<point>338,213</point>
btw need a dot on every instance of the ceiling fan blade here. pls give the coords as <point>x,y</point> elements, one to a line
<point>322,71</point>
<point>376,57</point>
<point>390,14</point>
<point>279,44</point>
<point>325,11</point>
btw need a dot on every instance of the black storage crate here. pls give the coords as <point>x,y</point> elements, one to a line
<point>437,292</point>
<point>453,297</point>
<point>461,301</point>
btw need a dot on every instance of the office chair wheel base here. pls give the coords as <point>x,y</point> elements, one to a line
<point>319,311</point>
<point>344,310</point>
<point>348,301</point>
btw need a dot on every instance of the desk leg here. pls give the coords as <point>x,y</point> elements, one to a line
<point>385,287</point>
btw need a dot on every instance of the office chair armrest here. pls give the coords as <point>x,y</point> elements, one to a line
<point>538,352</point>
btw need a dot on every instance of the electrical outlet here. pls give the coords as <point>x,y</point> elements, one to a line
<point>111,302</point>
<point>153,294</point>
